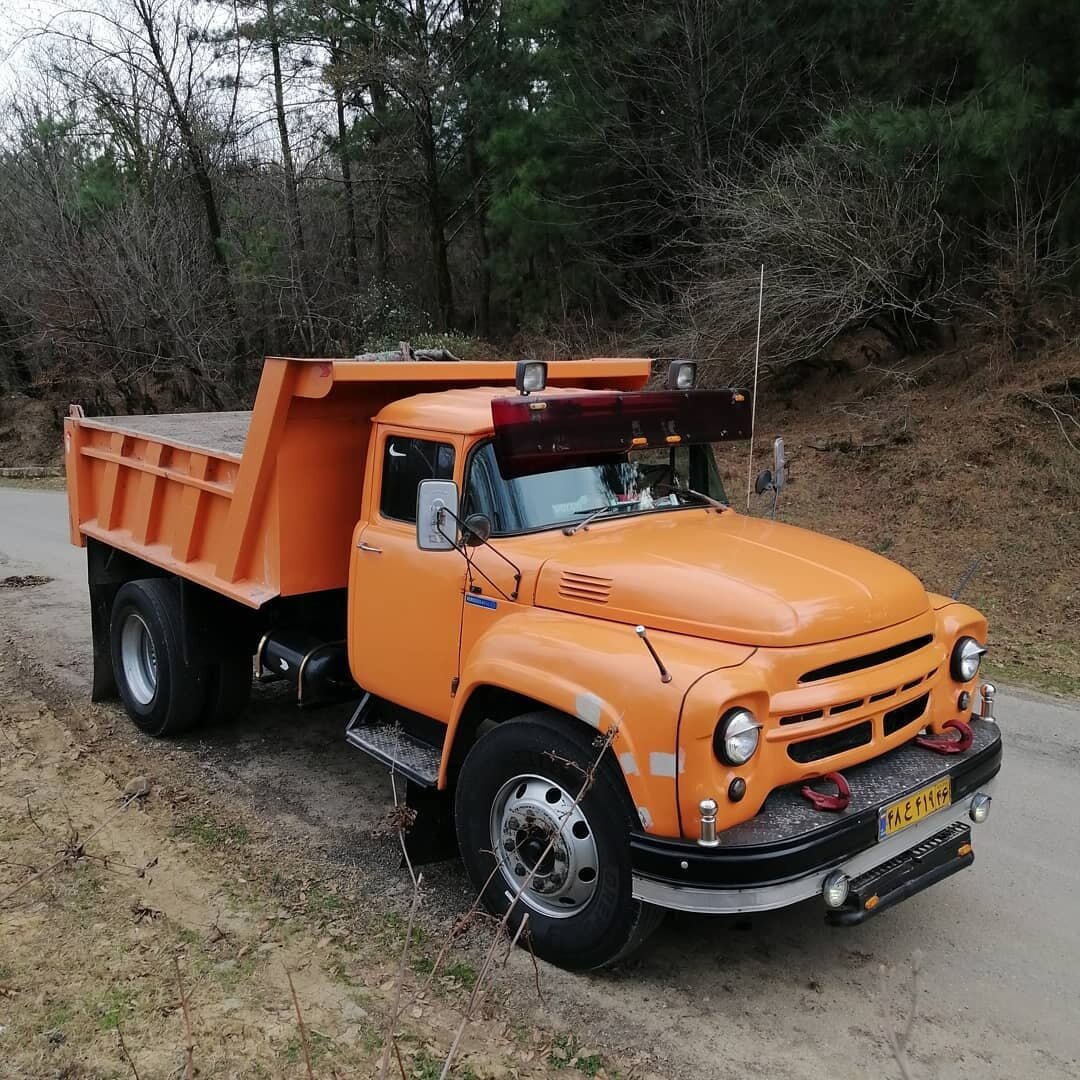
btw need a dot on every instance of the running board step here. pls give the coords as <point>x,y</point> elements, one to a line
<point>390,743</point>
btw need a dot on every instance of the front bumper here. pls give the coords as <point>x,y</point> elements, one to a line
<point>783,855</point>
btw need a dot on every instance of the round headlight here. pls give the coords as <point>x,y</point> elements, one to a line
<point>966,655</point>
<point>736,737</point>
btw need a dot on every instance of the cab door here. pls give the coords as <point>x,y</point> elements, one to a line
<point>405,604</point>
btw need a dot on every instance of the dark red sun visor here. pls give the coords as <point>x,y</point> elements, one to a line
<point>542,432</point>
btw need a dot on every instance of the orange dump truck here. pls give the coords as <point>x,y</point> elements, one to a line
<point>628,696</point>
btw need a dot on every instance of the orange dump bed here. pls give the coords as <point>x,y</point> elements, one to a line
<point>263,503</point>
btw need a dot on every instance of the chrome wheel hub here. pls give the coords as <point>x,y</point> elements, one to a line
<point>138,658</point>
<point>535,827</point>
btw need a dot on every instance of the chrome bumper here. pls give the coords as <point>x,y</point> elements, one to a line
<point>714,901</point>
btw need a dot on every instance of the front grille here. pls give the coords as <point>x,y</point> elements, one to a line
<point>846,707</point>
<point>574,585</point>
<point>900,717</point>
<point>859,663</point>
<point>836,742</point>
<point>801,718</point>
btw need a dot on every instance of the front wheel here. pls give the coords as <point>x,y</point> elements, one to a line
<point>522,828</point>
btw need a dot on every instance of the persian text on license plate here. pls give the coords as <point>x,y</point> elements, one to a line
<point>914,807</point>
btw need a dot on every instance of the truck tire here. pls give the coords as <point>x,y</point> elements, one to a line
<point>517,783</point>
<point>161,693</point>
<point>228,689</point>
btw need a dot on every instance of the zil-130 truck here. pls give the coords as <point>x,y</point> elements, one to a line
<point>520,570</point>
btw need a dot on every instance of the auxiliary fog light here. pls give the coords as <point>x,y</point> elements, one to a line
<point>835,890</point>
<point>979,810</point>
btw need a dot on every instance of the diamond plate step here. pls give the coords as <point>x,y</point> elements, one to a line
<point>413,758</point>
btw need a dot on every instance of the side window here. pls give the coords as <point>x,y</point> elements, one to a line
<point>405,463</point>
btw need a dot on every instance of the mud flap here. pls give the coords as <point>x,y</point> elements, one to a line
<point>102,593</point>
<point>431,838</point>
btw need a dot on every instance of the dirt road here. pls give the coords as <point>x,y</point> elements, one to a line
<point>785,997</point>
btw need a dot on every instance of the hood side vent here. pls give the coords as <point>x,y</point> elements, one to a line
<point>574,585</point>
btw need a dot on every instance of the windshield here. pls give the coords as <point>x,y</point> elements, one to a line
<point>647,481</point>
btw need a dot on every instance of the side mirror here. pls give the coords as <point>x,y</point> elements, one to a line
<point>475,530</point>
<point>779,477</point>
<point>436,510</point>
<point>764,482</point>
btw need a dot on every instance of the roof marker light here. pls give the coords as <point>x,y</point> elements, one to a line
<point>682,375</point>
<point>531,375</point>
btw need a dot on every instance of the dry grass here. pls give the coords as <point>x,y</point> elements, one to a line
<point>935,462</point>
<point>137,945</point>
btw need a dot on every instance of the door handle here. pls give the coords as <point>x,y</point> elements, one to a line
<point>367,547</point>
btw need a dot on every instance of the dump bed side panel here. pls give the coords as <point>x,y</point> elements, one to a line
<point>264,504</point>
<point>167,504</point>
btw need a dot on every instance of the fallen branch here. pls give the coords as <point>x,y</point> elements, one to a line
<point>189,1049</point>
<point>124,1050</point>
<point>899,1040</point>
<point>66,857</point>
<point>417,880</point>
<point>303,1029</point>
<point>604,744</point>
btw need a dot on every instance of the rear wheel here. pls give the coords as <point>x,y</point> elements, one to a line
<point>522,829</point>
<point>160,692</point>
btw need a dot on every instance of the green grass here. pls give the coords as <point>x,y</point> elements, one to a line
<point>566,1053</point>
<point>1036,677</point>
<point>319,1046</point>
<point>58,1017</point>
<point>189,937</point>
<point>212,835</point>
<point>321,903</point>
<point>229,978</point>
<point>114,1008</point>
<point>463,972</point>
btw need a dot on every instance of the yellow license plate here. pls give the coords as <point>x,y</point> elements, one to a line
<point>898,815</point>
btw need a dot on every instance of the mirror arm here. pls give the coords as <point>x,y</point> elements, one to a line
<point>472,566</point>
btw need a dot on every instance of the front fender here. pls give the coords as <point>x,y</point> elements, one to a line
<point>601,673</point>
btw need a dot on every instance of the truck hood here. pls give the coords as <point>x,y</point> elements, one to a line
<point>727,577</point>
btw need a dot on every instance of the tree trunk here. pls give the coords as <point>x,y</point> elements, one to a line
<point>201,172</point>
<point>440,266</point>
<point>474,172</point>
<point>13,360</point>
<point>382,203</point>
<point>345,160</point>
<point>292,192</point>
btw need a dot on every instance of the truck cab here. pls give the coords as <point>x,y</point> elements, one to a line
<point>627,696</point>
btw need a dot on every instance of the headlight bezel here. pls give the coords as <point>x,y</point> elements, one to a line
<point>746,723</point>
<point>966,650</point>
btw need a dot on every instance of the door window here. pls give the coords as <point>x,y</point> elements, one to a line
<point>406,462</point>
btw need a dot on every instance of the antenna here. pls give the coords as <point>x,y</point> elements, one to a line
<point>753,404</point>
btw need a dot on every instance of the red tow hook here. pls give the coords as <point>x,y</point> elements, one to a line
<point>942,744</point>
<point>836,802</point>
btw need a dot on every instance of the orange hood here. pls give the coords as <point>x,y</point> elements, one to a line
<point>727,577</point>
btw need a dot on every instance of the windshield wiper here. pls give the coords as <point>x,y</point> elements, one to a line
<point>702,496</point>
<point>593,515</point>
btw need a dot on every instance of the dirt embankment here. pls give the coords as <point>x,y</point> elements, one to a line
<point>941,461</point>
<point>147,933</point>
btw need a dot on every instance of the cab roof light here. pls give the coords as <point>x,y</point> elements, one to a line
<point>531,375</point>
<point>682,375</point>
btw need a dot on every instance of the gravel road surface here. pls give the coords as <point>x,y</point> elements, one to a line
<point>785,996</point>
